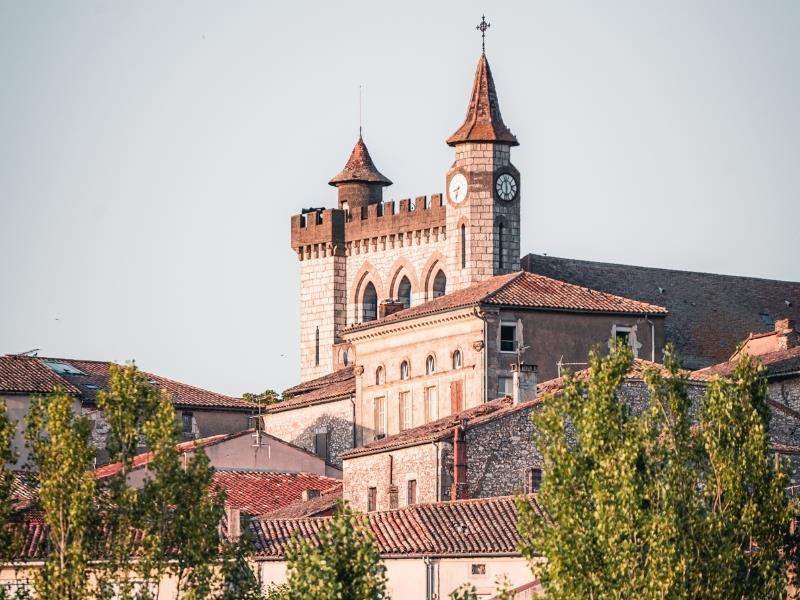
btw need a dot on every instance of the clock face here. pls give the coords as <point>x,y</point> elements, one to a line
<point>506,187</point>
<point>458,188</point>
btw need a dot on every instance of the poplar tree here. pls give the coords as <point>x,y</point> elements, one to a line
<point>647,504</point>
<point>343,565</point>
<point>7,458</point>
<point>61,450</point>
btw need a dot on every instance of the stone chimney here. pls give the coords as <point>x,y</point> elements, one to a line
<point>307,495</point>
<point>786,333</point>
<point>523,382</point>
<point>234,523</point>
<point>389,307</point>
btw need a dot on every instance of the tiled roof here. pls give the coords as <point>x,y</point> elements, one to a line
<point>258,492</point>
<point>321,506</point>
<point>522,290</point>
<point>334,386</point>
<point>24,489</point>
<point>708,314</point>
<point>94,377</point>
<point>483,122</point>
<point>142,460</point>
<point>480,527</point>
<point>26,374</point>
<point>360,167</point>
<point>782,362</point>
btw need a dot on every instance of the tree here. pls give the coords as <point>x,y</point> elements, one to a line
<point>344,565</point>
<point>64,457</point>
<point>642,504</point>
<point>7,457</point>
<point>265,398</point>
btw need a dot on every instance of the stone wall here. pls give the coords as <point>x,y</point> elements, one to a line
<point>299,426</point>
<point>395,467</point>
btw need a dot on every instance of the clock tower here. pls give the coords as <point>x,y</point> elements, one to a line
<point>483,191</point>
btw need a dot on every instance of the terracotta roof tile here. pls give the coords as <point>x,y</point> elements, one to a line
<point>523,290</point>
<point>483,122</point>
<point>480,527</point>
<point>321,506</point>
<point>782,362</point>
<point>27,375</point>
<point>334,386</point>
<point>709,314</point>
<point>258,492</point>
<point>360,167</point>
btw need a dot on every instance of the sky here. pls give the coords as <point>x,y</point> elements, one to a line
<point>152,153</point>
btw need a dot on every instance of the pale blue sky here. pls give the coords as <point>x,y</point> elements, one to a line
<point>152,152</point>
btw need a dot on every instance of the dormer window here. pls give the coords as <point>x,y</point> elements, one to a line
<point>404,370</point>
<point>430,365</point>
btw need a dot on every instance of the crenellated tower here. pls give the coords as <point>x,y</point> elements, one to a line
<point>483,190</point>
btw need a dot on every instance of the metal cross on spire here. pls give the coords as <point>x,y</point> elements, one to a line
<point>482,27</point>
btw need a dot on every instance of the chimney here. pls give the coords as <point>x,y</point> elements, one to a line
<point>389,307</point>
<point>307,495</point>
<point>787,334</point>
<point>459,490</point>
<point>523,382</point>
<point>234,523</point>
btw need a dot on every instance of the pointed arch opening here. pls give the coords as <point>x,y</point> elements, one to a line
<point>404,292</point>
<point>439,284</point>
<point>369,303</point>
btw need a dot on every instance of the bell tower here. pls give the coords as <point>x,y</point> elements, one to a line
<point>483,189</point>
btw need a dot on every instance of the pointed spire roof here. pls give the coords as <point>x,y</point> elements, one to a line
<point>360,167</point>
<point>483,122</point>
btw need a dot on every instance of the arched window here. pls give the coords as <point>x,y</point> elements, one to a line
<point>369,304</point>
<point>457,359</point>
<point>430,365</point>
<point>380,377</point>
<point>316,348</point>
<point>404,292</point>
<point>439,284</point>
<point>500,233</point>
<point>404,370</point>
<point>463,246</point>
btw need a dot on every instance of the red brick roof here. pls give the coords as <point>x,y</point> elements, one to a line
<point>781,362</point>
<point>334,386</point>
<point>480,527</point>
<point>27,375</point>
<point>360,167</point>
<point>523,290</point>
<point>483,122</point>
<point>258,492</point>
<point>94,377</point>
<point>321,506</point>
<point>24,489</point>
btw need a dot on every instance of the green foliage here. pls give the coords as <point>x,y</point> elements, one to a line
<point>60,448</point>
<point>278,592</point>
<point>265,398</point>
<point>639,504</point>
<point>7,457</point>
<point>344,566</point>
<point>466,591</point>
<point>237,579</point>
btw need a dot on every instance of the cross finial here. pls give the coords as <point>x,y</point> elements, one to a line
<point>482,27</point>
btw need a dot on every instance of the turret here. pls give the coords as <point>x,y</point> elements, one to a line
<point>360,183</point>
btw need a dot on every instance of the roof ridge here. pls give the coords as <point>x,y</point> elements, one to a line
<point>514,276</point>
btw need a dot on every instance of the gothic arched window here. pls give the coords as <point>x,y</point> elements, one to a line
<point>439,284</point>
<point>457,359</point>
<point>463,246</point>
<point>430,365</point>
<point>369,304</point>
<point>404,370</point>
<point>316,348</point>
<point>404,292</point>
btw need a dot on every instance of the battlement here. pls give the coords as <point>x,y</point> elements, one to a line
<point>337,227</point>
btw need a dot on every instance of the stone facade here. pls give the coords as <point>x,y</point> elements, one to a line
<point>300,426</point>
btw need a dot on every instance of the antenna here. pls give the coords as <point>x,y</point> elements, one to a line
<point>360,107</point>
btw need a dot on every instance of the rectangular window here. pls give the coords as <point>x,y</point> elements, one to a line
<point>405,410</point>
<point>372,499</point>
<point>504,386</point>
<point>321,444</point>
<point>508,337</point>
<point>411,497</point>
<point>478,568</point>
<point>188,423</point>
<point>393,496</point>
<point>431,404</point>
<point>533,480</point>
<point>380,417</point>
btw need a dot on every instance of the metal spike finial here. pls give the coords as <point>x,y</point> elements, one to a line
<point>482,27</point>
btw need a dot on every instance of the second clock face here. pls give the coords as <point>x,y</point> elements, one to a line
<point>506,187</point>
<point>458,188</point>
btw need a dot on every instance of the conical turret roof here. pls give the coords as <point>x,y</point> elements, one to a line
<point>483,122</point>
<point>360,167</point>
